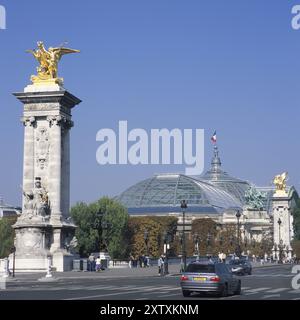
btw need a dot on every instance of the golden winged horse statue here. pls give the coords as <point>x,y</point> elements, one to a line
<point>280,183</point>
<point>47,71</point>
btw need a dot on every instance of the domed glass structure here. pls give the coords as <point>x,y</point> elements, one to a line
<point>163,193</point>
<point>221,179</point>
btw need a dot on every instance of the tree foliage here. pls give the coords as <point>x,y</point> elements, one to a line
<point>214,238</point>
<point>296,248</point>
<point>92,235</point>
<point>296,216</point>
<point>156,227</point>
<point>7,235</point>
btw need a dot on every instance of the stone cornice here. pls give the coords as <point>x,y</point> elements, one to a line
<point>62,97</point>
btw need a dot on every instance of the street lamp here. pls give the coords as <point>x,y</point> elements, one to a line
<point>183,205</point>
<point>105,226</point>
<point>275,250</point>
<point>280,240</point>
<point>98,226</point>
<point>208,241</point>
<point>196,243</point>
<point>146,239</point>
<point>167,240</point>
<point>13,251</point>
<point>238,216</point>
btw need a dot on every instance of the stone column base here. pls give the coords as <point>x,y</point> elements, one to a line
<point>29,264</point>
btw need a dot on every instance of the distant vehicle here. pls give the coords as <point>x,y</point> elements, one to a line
<point>209,277</point>
<point>240,267</point>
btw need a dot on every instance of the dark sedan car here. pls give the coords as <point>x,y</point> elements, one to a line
<point>240,267</point>
<point>209,277</point>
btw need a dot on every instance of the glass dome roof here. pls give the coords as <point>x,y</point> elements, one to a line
<point>167,190</point>
<point>221,179</point>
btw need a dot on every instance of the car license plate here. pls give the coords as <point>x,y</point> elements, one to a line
<point>200,279</point>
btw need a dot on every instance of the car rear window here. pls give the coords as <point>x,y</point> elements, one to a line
<point>201,268</point>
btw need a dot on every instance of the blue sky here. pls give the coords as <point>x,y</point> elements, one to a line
<point>231,66</point>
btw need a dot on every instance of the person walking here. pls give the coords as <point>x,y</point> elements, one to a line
<point>98,264</point>
<point>220,256</point>
<point>160,264</point>
<point>224,257</point>
<point>91,263</point>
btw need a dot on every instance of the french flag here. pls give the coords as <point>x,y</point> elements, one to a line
<point>214,137</point>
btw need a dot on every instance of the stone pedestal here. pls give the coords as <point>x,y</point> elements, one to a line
<point>283,231</point>
<point>45,227</point>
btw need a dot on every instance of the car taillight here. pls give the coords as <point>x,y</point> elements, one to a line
<point>184,278</point>
<point>215,279</point>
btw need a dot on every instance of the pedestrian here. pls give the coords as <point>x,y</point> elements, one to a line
<point>160,264</point>
<point>98,264</point>
<point>220,256</point>
<point>224,257</point>
<point>261,260</point>
<point>91,262</point>
<point>148,261</point>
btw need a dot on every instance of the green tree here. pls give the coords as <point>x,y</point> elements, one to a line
<point>85,233</point>
<point>115,219</point>
<point>7,235</point>
<point>296,216</point>
<point>91,232</point>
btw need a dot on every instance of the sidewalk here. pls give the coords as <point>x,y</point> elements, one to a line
<point>174,270</point>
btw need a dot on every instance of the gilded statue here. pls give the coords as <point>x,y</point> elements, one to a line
<point>280,183</point>
<point>47,71</point>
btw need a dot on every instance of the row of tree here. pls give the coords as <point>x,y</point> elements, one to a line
<point>106,225</point>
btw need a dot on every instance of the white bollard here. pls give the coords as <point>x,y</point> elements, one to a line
<point>6,268</point>
<point>49,269</point>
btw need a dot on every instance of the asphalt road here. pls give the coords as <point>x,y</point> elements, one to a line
<point>270,283</point>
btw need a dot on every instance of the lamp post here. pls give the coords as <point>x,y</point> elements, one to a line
<point>208,241</point>
<point>146,239</point>
<point>105,226</point>
<point>280,240</point>
<point>166,237</point>
<point>221,241</point>
<point>98,226</point>
<point>183,205</point>
<point>196,242</point>
<point>275,250</point>
<point>238,249</point>
<point>13,251</point>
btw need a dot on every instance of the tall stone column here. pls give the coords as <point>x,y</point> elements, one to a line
<point>45,228</point>
<point>282,225</point>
